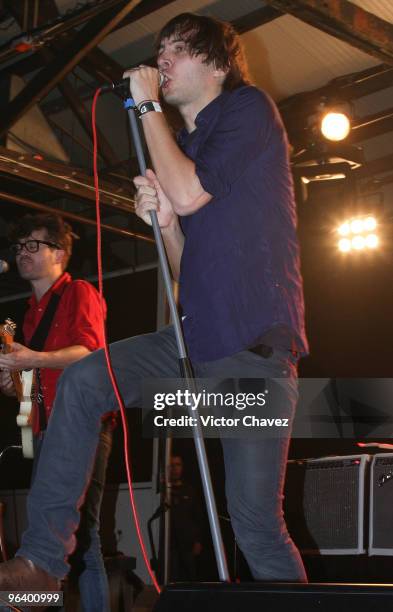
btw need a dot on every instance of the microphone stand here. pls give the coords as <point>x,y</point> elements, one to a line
<point>184,364</point>
<point>162,509</point>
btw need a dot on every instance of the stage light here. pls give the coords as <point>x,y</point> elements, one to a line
<point>370,224</point>
<point>372,241</point>
<point>357,226</point>
<point>344,245</point>
<point>335,126</point>
<point>344,229</point>
<point>358,234</point>
<point>358,243</point>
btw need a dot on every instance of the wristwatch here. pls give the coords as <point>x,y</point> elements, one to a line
<point>147,106</point>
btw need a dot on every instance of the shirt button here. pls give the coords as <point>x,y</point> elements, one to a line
<point>40,310</point>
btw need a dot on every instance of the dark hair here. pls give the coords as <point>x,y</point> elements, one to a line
<point>217,40</point>
<point>58,231</point>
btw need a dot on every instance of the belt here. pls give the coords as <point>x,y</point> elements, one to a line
<point>266,351</point>
<point>263,350</point>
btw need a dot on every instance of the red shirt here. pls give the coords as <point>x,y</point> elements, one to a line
<point>77,321</point>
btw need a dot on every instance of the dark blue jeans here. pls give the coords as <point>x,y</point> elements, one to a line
<point>87,564</point>
<point>255,469</point>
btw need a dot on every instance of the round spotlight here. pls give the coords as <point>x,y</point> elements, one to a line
<point>358,243</point>
<point>344,245</point>
<point>335,126</point>
<point>344,229</point>
<point>357,226</point>
<point>370,224</point>
<point>372,241</point>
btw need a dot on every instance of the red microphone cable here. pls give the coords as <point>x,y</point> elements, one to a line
<point>107,355</point>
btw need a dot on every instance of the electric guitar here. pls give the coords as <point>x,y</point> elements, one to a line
<point>24,385</point>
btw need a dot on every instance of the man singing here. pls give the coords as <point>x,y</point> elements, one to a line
<point>224,198</point>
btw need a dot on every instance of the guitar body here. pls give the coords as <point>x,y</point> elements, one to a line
<point>23,419</point>
<point>23,383</point>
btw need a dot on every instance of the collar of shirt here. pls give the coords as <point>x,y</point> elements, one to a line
<point>203,118</point>
<point>57,287</point>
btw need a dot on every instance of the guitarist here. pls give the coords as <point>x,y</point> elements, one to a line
<point>67,313</point>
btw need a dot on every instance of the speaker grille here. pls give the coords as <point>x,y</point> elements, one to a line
<point>324,504</point>
<point>381,505</point>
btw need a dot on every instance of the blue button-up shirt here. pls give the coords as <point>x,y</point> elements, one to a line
<point>240,282</point>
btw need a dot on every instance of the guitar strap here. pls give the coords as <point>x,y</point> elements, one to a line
<point>37,344</point>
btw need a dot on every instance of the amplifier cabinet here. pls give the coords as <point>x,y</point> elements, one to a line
<point>381,505</point>
<point>325,504</point>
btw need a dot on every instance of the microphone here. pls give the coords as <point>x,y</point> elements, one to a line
<point>4,266</point>
<point>124,84</point>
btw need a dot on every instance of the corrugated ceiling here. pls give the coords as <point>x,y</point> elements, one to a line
<point>381,8</point>
<point>287,56</point>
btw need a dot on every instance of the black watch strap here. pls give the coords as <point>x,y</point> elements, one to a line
<point>147,106</point>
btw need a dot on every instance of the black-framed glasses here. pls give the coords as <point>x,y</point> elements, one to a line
<point>32,246</point>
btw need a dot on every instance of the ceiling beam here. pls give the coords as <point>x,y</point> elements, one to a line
<point>347,87</point>
<point>31,15</point>
<point>372,126</point>
<point>257,18</point>
<point>55,28</point>
<point>102,66</point>
<point>345,21</point>
<point>387,179</point>
<point>45,32</point>
<point>16,199</point>
<point>103,63</point>
<point>65,179</point>
<point>375,166</point>
<point>85,40</point>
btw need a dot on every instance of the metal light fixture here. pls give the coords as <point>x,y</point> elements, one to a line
<point>358,234</point>
<point>335,126</point>
<point>326,155</point>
